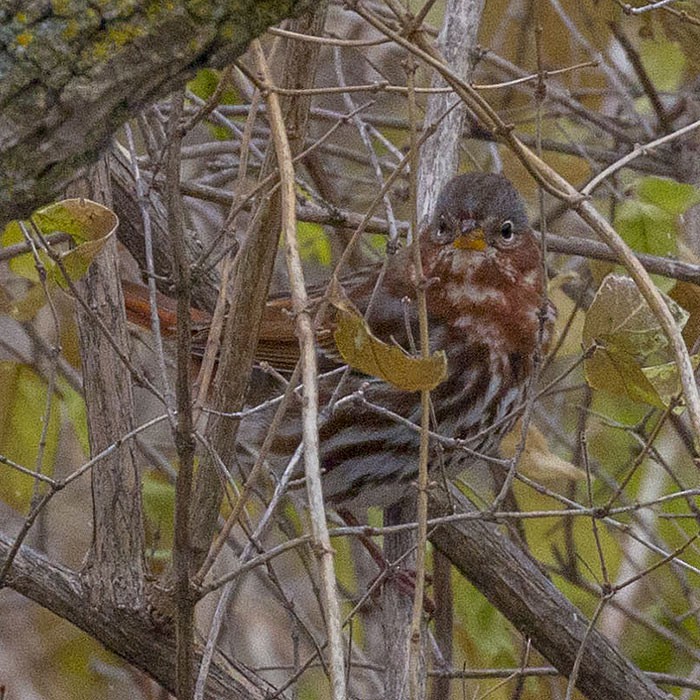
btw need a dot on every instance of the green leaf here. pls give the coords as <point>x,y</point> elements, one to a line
<point>633,357</point>
<point>22,416</point>
<point>666,379</point>
<point>647,228</point>
<point>204,84</point>
<point>620,315</point>
<point>673,197</point>
<point>648,221</point>
<point>74,410</point>
<point>89,224</point>
<point>616,372</point>
<point>80,665</point>
<point>159,508</point>
<point>21,265</point>
<point>313,243</point>
<point>158,497</point>
<point>481,632</point>
<point>664,61</point>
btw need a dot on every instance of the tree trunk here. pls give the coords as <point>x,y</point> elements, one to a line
<point>115,567</point>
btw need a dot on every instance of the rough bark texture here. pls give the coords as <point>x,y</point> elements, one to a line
<point>397,609</point>
<point>71,74</point>
<point>128,633</point>
<point>115,566</point>
<point>512,582</point>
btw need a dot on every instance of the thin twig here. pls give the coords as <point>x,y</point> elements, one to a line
<point>636,153</point>
<point>364,135</point>
<point>573,676</point>
<point>12,251</point>
<point>416,681</point>
<point>144,210</point>
<point>647,84</point>
<point>304,325</point>
<point>184,439</point>
<point>326,40</point>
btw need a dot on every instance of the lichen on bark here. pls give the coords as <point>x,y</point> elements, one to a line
<point>71,72</point>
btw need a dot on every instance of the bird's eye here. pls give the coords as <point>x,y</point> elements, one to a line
<point>507,232</point>
<point>442,234</point>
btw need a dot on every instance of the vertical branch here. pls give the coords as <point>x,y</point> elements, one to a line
<point>184,438</point>
<point>253,270</point>
<point>443,620</point>
<point>305,331</point>
<point>115,566</point>
<point>403,620</point>
<point>438,163</point>
<point>150,269</point>
<point>39,490</point>
<point>416,660</point>
<point>440,156</point>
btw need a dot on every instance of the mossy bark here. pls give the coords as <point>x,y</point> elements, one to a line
<point>71,75</point>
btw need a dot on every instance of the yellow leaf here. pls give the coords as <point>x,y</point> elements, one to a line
<point>617,373</point>
<point>22,420</point>
<point>632,356</point>
<point>365,352</point>
<point>537,459</point>
<point>89,224</point>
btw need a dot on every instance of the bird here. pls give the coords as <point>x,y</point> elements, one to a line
<point>487,311</point>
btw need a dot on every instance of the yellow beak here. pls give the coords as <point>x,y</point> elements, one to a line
<point>474,240</point>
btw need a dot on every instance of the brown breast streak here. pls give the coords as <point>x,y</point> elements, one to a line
<point>490,305</point>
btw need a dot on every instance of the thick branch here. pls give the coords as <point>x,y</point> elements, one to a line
<point>440,153</point>
<point>512,582</point>
<point>254,264</point>
<point>70,79</point>
<point>115,565</point>
<point>133,637</point>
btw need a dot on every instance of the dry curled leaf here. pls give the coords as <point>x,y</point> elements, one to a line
<point>363,351</point>
<point>537,459</point>
<point>89,225</point>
